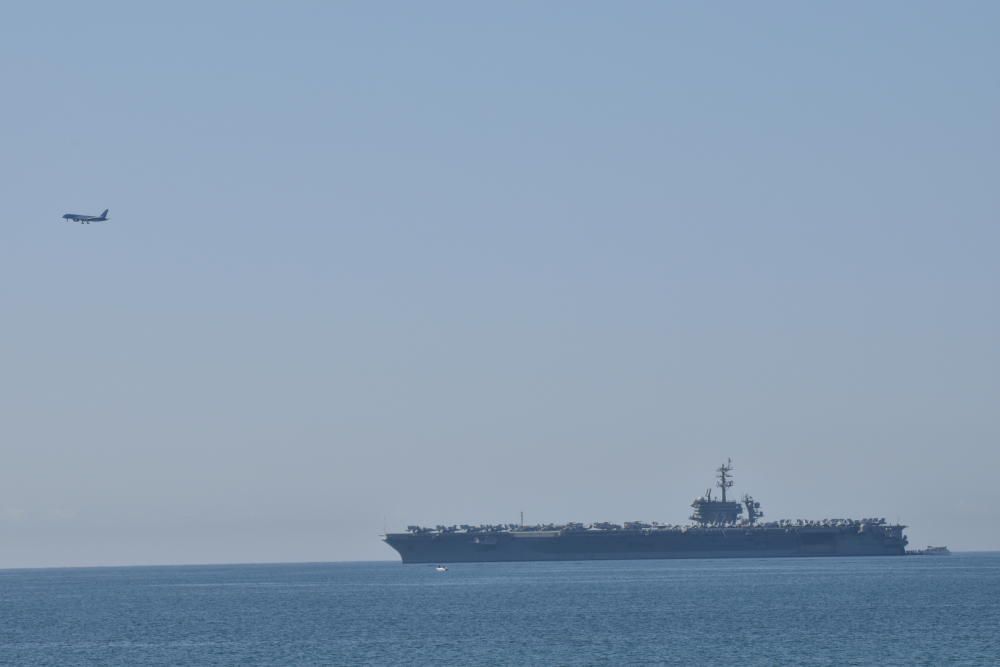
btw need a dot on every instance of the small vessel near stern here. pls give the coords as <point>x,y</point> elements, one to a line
<point>930,551</point>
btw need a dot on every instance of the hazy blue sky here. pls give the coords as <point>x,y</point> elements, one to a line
<point>373,264</point>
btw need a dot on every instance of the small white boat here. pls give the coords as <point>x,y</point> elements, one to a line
<point>440,568</point>
<point>936,551</point>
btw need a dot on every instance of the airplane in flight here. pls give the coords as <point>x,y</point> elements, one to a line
<point>86,219</point>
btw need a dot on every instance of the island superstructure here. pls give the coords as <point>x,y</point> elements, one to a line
<point>719,529</point>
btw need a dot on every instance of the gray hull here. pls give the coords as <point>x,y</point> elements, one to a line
<point>733,542</point>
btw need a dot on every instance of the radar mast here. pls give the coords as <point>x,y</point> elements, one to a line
<point>724,481</point>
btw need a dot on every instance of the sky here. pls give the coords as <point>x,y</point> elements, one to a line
<point>380,264</point>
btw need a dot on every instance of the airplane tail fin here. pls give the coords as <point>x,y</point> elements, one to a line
<point>105,214</point>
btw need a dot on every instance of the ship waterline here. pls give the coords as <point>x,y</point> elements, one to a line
<point>719,531</point>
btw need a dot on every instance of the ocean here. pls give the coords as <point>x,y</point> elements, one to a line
<point>797,611</point>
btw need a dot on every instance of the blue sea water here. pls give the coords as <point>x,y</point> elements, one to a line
<point>840,611</point>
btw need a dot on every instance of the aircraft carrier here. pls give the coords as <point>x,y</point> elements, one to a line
<point>719,529</point>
